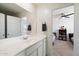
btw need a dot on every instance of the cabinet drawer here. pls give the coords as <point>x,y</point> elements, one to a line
<point>34,47</point>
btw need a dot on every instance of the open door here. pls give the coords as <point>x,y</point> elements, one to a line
<point>2,26</point>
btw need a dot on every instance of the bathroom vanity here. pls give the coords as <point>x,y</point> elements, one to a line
<point>14,42</point>
<point>33,45</point>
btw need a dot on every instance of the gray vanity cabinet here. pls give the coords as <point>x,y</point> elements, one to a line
<point>37,49</point>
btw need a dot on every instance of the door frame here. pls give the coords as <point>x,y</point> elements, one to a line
<point>5,26</point>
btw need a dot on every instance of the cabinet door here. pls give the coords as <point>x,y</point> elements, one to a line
<point>33,50</point>
<point>44,47</point>
<point>2,26</point>
<point>34,53</point>
<point>13,26</point>
<point>40,50</point>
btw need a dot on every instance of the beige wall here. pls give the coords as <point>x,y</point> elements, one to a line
<point>32,21</point>
<point>44,15</point>
<point>36,16</point>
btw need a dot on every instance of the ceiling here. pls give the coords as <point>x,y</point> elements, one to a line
<point>14,9</point>
<point>53,5</point>
<point>11,9</point>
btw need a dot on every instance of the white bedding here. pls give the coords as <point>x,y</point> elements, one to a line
<point>53,39</point>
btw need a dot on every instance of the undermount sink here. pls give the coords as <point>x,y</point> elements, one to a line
<point>25,37</point>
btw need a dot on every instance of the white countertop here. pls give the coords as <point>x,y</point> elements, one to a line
<point>12,46</point>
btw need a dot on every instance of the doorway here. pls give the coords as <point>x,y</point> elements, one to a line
<point>63,27</point>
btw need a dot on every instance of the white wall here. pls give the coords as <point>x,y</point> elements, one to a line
<point>44,15</point>
<point>76,30</point>
<point>67,22</point>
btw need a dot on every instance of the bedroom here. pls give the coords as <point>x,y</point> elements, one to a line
<point>63,29</point>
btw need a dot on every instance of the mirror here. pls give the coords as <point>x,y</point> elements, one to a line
<point>24,26</point>
<point>11,26</point>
